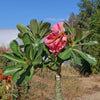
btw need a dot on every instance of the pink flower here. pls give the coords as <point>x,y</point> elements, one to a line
<point>56,40</point>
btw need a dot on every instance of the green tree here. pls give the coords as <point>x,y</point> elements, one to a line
<point>72,20</point>
<point>95,50</point>
<point>89,19</point>
<point>86,11</point>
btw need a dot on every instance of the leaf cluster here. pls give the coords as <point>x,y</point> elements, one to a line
<point>35,29</point>
<point>28,57</point>
<point>34,54</point>
<point>71,50</point>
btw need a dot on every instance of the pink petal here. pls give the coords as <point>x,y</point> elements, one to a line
<point>61,25</point>
<point>58,27</point>
<point>52,47</point>
<point>61,45</point>
<point>51,38</point>
<point>58,44</point>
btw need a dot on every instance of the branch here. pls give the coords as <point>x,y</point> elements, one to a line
<point>51,68</point>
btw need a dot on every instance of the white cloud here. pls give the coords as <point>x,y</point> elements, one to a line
<point>61,19</point>
<point>51,19</point>
<point>55,19</point>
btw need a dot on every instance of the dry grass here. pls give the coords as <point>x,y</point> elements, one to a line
<point>4,49</point>
<point>74,86</point>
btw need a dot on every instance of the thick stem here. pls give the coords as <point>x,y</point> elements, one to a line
<point>58,91</point>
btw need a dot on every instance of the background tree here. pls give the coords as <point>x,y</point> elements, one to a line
<point>89,19</point>
<point>72,20</point>
<point>95,50</point>
<point>86,11</point>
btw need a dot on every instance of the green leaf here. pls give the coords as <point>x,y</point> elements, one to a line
<point>40,50</point>
<point>88,43</point>
<point>26,39</point>
<point>16,74</point>
<point>22,28</point>
<point>66,54</point>
<point>68,27</point>
<point>54,66</point>
<point>12,69</point>
<point>31,53</point>
<point>81,36</point>
<point>74,30</point>
<point>34,26</point>
<point>46,50</point>
<point>45,65</point>
<point>37,43</point>
<point>27,50</point>
<point>51,56</point>
<point>36,46</point>
<point>44,29</point>
<point>37,60</point>
<point>76,59</point>
<point>15,47</point>
<point>13,58</point>
<point>20,35</point>
<point>26,76</point>
<point>87,57</point>
<point>39,23</point>
<point>16,96</point>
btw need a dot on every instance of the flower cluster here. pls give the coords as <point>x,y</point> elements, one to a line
<point>7,78</point>
<point>57,40</point>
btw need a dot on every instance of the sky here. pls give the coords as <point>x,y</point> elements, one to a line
<point>13,12</point>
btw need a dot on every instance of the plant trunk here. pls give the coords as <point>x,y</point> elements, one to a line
<point>58,91</point>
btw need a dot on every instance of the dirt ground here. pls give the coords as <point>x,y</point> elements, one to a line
<point>74,87</point>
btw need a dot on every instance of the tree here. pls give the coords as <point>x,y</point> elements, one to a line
<point>95,50</point>
<point>89,19</point>
<point>86,11</point>
<point>72,19</point>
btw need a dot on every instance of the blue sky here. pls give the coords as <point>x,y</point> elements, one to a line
<point>13,12</point>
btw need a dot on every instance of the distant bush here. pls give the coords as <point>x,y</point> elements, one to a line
<point>6,62</point>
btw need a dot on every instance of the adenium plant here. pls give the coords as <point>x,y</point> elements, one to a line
<point>58,46</point>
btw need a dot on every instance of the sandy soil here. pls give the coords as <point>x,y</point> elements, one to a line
<point>74,87</point>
